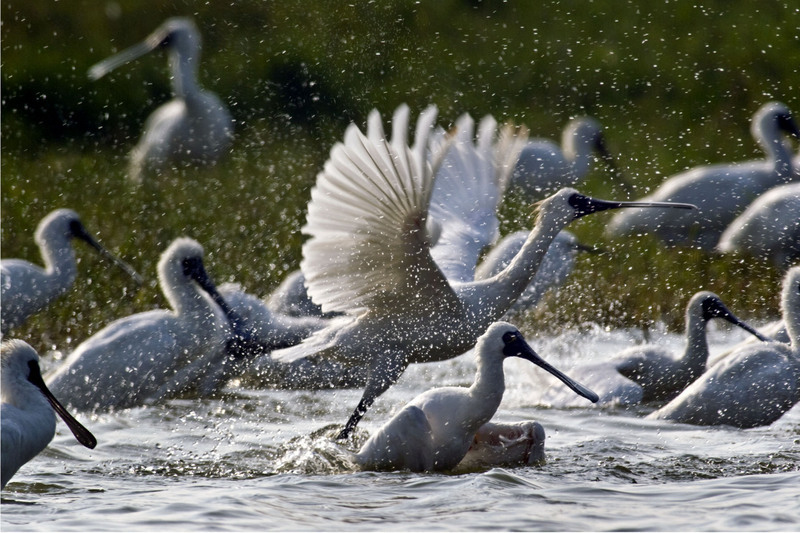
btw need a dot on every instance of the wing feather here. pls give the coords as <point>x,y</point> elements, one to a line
<point>369,248</point>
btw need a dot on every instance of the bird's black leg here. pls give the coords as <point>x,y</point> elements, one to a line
<point>384,373</point>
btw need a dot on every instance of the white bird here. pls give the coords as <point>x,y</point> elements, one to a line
<point>435,430</point>
<point>768,228</point>
<point>752,387</point>
<point>556,266</point>
<point>27,288</point>
<point>148,356</point>
<point>193,127</point>
<point>652,373</point>
<point>721,191</point>
<point>27,412</point>
<point>369,257</point>
<point>544,167</point>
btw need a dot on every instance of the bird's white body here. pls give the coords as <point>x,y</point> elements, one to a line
<point>720,191</point>
<point>269,328</point>
<point>27,415</point>
<point>768,228</point>
<point>151,355</point>
<point>27,288</point>
<point>650,373</point>
<point>369,257</point>
<point>195,127</point>
<point>543,167</point>
<point>435,430</point>
<point>751,387</point>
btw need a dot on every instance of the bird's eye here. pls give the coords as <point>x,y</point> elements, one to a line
<point>510,337</point>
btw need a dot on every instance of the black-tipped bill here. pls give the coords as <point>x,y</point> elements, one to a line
<point>83,435</point>
<point>79,231</point>
<point>585,205</point>
<point>126,56</point>
<point>714,308</point>
<point>515,346</point>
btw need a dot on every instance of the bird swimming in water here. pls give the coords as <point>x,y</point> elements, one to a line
<point>28,412</point>
<point>369,257</point>
<point>769,227</point>
<point>435,430</point>
<point>195,126</point>
<point>651,373</point>
<point>156,354</point>
<point>751,387</point>
<point>543,167</point>
<point>720,191</point>
<point>27,288</point>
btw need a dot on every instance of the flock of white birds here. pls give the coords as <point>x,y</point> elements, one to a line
<point>396,271</point>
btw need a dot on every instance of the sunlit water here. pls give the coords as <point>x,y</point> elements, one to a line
<point>254,459</point>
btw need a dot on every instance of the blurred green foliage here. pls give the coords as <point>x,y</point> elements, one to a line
<point>673,83</point>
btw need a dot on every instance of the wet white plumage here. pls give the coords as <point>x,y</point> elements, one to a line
<point>721,191</point>
<point>27,288</point>
<point>651,373</point>
<point>369,257</point>
<point>768,228</point>
<point>543,167</point>
<point>193,127</point>
<point>149,356</point>
<point>436,429</point>
<point>28,412</point>
<point>751,387</point>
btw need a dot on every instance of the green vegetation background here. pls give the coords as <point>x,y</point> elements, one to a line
<point>673,83</point>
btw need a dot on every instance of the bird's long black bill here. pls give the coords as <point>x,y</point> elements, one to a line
<point>733,319</point>
<point>83,435</point>
<point>119,263</point>
<point>126,56</point>
<point>611,163</point>
<point>520,348</point>
<point>585,205</point>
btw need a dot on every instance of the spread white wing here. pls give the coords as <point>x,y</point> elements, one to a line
<point>369,247</point>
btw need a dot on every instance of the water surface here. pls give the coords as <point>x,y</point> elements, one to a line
<point>250,460</point>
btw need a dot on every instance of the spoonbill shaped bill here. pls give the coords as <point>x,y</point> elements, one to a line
<point>721,191</point>
<point>556,266</point>
<point>768,228</point>
<point>28,409</point>
<point>437,428</point>
<point>27,288</point>
<point>652,373</point>
<point>544,167</point>
<point>752,387</point>
<point>194,127</point>
<point>369,257</point>
<point>156,354</point>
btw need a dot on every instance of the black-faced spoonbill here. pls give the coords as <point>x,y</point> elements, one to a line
<point>543,167</point>
<point>369,257</point>
<point>28,409</point>
<point>435,430</point>
<point>752,387</point>
<point>193,127</point>
<point>721,191</point>
<point>768,228</point>
<point>156,354</point>
<point>651,373</point>
<point>27,288</point>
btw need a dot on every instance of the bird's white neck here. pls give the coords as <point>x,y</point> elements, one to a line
<point>487,389</point>
<point>490,298</point>
<point>59,260</point>
<point>695,354</point>
<point>183,65</point>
